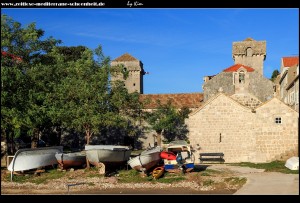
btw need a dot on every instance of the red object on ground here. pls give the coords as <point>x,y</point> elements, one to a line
<point>168,155</point>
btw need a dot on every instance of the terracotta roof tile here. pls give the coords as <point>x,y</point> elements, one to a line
<point>249,39</point>
<point>4,53</point>
<point>190,100</point>
<point>125,57</point>
<point>235,67</point>
<point>290,61</point>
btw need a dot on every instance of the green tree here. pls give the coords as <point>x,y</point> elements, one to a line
<point>21,48</point>
<point>274,75</point>
<point>168,121</point>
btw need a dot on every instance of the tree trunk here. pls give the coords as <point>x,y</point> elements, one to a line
<point>158,138</point>
<point>34,138</point>
<point>88,136</point>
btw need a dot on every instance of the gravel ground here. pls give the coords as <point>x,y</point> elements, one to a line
<point>110,185</point>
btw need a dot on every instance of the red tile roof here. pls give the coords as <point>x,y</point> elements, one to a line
<point>4,53</point>
<point>190,100</point>
<point>235,67</point>
<point>125,57</point>
<point>290,61</point>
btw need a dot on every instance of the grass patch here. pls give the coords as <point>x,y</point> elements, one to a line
<point>47,176</point>
<point>236,180</point>
<point>131,176</point>
<point>208,182</point>
<point>274,166</point>
<point>171,178</point>
<point>210,172</point>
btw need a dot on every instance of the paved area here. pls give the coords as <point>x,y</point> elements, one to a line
<point>264,183</point>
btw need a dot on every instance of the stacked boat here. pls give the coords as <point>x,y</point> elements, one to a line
<point>146,160</point>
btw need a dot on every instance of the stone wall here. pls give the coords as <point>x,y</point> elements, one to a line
<point>273,138</point>
<point>261,87</point>
<point>247,100</point>
<point>256,62</point>
<point>258,86</point>
<point>223,125</point>
<point>134,82</point>
<point>250,53</point>
<point>224,80</point>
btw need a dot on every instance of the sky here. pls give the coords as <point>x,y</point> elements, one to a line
<point>178,47</point>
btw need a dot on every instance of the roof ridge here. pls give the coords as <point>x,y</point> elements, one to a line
<point>126,57</point>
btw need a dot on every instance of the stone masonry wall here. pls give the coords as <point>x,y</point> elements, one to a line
<point>261,87</point>
<point>226,117</point>
<point>273,139</point>
<point>245,136</point>
<point>134,82</point>
<point>247,100</point>
<point>224,80</point>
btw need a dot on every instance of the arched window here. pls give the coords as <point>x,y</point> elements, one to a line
<point>249,51</point>
<point>242,77</point>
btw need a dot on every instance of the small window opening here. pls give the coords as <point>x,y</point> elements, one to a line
<point>133,84</point>
<point>278,120</point>
<point>241,77</point>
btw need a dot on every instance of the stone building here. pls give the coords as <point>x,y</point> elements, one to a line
<point>288,81</point>
<point>262,133</point>
<point>249,123</point>
<point>238,113</point>
<point>239,79</point>
<point>134,67</point>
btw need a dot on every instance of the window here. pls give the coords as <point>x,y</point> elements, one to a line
<point>278,120</point>
<point>249,51</point>
<point>241,77</point>
<point>133,84</point>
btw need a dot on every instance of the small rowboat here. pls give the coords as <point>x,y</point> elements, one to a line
<point>157,172</point>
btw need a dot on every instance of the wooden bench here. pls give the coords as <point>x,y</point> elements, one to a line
<point>208,157</point>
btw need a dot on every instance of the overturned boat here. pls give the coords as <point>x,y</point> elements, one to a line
<point>178,155</point>
<point>27,158</point>
<point>146,160</point>
<point>69,160</point>
<point>107,154</point>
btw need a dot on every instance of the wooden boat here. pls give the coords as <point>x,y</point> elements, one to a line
<point>69,160</point>
<point>184,157</point>
<point>146,160</point>
<point>107,154</point>
<point>27,158</point>
<point>158,172</point>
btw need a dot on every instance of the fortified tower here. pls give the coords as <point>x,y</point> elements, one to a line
<point>134,67</point>
<point>250,53</point>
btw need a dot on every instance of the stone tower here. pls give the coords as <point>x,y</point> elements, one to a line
<point>250,53</point>
<point>134,81</point>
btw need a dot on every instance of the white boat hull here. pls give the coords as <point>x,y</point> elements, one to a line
<point>115,155</point>
<point>146,160</point>
<point>26,159</point>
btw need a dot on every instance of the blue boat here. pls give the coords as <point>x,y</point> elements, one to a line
<point>184,157</point>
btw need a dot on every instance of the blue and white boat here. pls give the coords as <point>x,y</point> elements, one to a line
<point>184,157</point>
